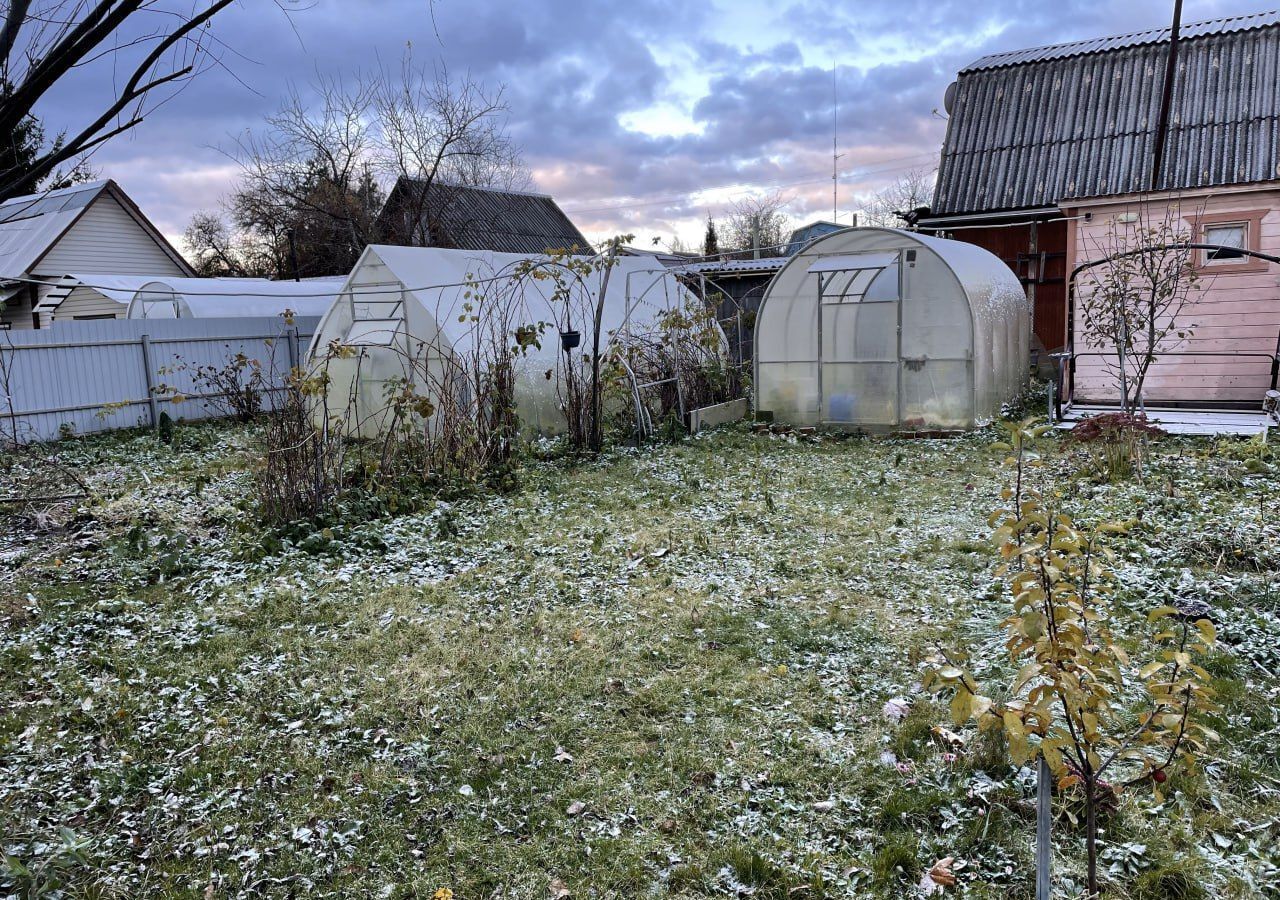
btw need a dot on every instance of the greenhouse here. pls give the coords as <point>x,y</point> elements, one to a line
<point>206,298</point>
<point>442,321</point>
<point>886,330</point>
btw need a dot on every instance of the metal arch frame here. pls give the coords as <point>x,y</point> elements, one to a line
<point>1067,360</point>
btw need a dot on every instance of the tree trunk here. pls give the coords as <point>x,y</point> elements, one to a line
<point>597,432</point>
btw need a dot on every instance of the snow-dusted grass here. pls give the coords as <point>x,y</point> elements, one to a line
<point>657,674</point>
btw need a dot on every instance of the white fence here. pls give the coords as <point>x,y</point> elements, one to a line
<point>82,377</point>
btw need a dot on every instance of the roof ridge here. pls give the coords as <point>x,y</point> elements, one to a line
<point>1128,38</point>
<point>477,187</point>
<point>97,185</point>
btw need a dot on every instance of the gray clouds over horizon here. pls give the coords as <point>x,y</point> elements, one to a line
<point>630,114</point>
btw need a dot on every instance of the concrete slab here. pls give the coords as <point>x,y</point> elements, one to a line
<point>1183,421</point>
<point>720,414</point>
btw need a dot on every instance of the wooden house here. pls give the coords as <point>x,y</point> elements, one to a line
<point>91,228</point>
<point>1050,149</point>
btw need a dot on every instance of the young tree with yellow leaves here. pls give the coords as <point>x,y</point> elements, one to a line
<point>1097,718</point>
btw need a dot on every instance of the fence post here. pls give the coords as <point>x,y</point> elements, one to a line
<point>149,372</point>
<point>1044,820</point>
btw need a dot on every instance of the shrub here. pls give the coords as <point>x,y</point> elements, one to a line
<point>1115,442</point>
<point>235,388</point>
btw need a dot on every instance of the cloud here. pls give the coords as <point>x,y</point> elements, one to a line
<point>628,114</point>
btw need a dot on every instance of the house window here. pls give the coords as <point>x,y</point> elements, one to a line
<point>1232,237</point>
<point>1234,233</point>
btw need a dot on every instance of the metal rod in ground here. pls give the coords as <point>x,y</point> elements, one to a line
<point>1044,820</point>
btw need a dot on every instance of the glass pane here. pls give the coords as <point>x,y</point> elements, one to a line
<point>373,333</point>
<point>789,391</point>
<point>381,308</point>
<point>861,285</point>
<point>856,332</point>
<point>935,327</point>
<point>1228,236</point>
<point>860,393</point>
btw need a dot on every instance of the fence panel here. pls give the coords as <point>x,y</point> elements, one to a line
<point>85,377</point>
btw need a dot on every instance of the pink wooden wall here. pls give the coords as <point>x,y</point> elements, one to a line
<point>1235,308</point>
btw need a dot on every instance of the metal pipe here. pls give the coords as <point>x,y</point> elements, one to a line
<point>1166,99</point>
<point>1044,823</point>
<point>1152,248</point>
<point>149,375</point>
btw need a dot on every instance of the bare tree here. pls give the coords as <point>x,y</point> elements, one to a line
<point>758,222</point>
<point>887,207</point>
<point>312,180</point>
<point>1132,305</point>
<point>215,250</point>
<point>307,178</point>
<point>159,45</point>
<point>437,134</point>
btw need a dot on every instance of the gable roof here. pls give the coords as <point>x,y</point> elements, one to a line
<point>805,233</point>
<point>475,218</point>
<point>1032,128</point>
<point>30,226</point>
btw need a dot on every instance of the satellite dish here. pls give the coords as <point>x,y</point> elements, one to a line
<point>949,98</point>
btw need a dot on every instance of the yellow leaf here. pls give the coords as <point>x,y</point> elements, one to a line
<point>1160,612</point>
<point>1207,631</point>
<point>1029,671</point>
<point>1150,669</point>
<point>1014,726</point>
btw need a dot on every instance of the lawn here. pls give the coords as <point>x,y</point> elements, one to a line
<point>659,673</point>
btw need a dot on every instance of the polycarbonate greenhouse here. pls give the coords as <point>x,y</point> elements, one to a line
<point>887,330</point>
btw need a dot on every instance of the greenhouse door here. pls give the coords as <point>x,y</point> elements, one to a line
<point>859,315</point>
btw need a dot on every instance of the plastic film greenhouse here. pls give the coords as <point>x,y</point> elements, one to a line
<point>437,320</point>
<point>886,330</point>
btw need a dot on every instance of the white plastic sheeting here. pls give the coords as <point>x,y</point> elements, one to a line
<point>882,329</point>
<point>409,315</point>
<point>207,298</point>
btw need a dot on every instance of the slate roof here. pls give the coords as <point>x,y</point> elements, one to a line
<point>474,218</point>
<point>1035,127</point>
<point>763,265</point>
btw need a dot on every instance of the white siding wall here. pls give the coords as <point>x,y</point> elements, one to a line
<point>83,303</point>
<point>107,239</point>
<point>17,311</point>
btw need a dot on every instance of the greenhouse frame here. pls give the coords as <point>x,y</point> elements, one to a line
<point>879,329</point>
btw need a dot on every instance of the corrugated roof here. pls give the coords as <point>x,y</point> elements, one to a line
<point>1116,42</point>
<point>472,218</point>
<point>1075,123</point>
<point>727,266</point>
<point>30,225</point>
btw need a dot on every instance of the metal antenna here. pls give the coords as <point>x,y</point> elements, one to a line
<point>835,147</point>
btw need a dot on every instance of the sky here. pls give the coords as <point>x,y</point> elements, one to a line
<point>641,117</point>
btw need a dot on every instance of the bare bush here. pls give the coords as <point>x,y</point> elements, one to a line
<point>234,389</point>
<point>1133,305</point>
